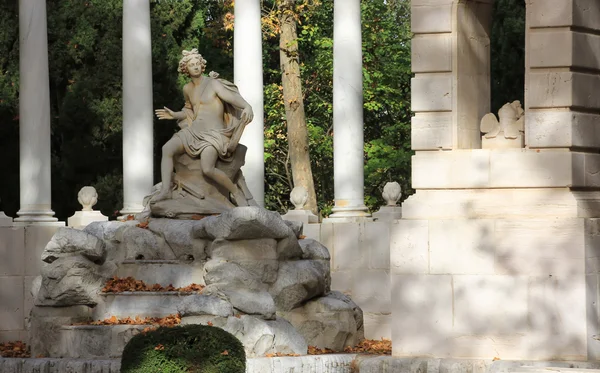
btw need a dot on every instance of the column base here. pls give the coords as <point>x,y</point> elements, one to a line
<point>349,212</point>
<point>36,216</point>
<point>129,210</point>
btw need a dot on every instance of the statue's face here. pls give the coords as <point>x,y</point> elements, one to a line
<point>194,67</point>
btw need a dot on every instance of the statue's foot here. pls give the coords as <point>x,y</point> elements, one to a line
<point>240,198</point>
<point>161,196</point>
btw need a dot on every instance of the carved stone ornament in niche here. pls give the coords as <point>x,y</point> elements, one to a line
<point>506,133</point>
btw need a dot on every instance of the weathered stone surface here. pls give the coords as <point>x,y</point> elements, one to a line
<point>325,322</point>
<point>358,312</point>
<point>312,249</point>
<point>108,230</point>
<point>251,302</point>
<point>46,326</point>
<point>251,274</point>
<point>197,305</point>
<point>139,243</point>
<point>241,250</point>
<point>295,226</point>
<point>73,280</point>
<point>178,235</point>
<point>289,248</point>
<point>243,223</point>
<point>299,281</point>
<point>261,337</point>
<point>69,242</point>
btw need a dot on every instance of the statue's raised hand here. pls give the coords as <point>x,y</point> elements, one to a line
<point>164,113</point>
<point>247,115</point>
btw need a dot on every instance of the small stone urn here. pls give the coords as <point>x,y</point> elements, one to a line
<point>298,197</point>
<point>391,211</point>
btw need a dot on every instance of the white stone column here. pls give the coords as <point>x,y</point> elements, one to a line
<point>137,105</point>
<point>248,76</point>
<point>34,114</point>
<point>348,141</point>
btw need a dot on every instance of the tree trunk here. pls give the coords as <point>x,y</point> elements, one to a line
<point>297,132</point>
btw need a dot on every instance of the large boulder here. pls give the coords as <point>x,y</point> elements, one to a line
<point>247,301</point>
<point>178,235</point>
<point>326,322</point>
<point>299,281</point>
<point>202,304</point>
<point>73,242</point>
<point>139,243</point>
<point>262,337</point>
<point>243,223</point>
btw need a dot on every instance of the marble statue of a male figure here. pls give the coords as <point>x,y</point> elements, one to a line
<point>209,129</point>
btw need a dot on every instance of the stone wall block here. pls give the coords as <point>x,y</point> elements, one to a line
<point>431,16</point>
<point>562,129</point>
<point>371,290</point>
<point>490,305</point>
<point>11,303</point>
<point>563,90</point>
<point>409,247</point>
<point>377,242</point>
<point>422,312</point>
<point>12,251</point>
<point>431,53</point>
<point>431,131</point>
<point>431,93</point>
<point>349,252</point>
<point>461,246</point>
<point>464,169</point>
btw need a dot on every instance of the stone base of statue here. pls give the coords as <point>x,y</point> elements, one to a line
<point>194,194</point>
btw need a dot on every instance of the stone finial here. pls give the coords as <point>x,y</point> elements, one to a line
<point>391,193</point>
<point>87,197</point>
<point>299,196</point>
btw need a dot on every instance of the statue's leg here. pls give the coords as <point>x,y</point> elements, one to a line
<point>172,148</point>
<point>208,161</point>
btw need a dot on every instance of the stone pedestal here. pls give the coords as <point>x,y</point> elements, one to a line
<point>388,213</point>
<point>138,112</point>
<point>248,76</point>
<point>82,218</point>
<point>303,216</point>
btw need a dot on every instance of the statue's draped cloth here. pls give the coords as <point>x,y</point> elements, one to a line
<point>195,139</point>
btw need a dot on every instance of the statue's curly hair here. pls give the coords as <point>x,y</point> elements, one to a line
<point>187,56</point>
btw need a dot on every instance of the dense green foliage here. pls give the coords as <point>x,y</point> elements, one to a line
<point>189,348</point>
<point>85,84</point>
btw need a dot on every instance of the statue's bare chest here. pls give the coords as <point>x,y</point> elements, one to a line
<point>202,94</point>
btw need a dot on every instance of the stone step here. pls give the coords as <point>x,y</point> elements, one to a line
<point>94,341</point>
<point>341,363</point>
<point>163,272</point>
<point>139,303</point>
<point>526,369</point>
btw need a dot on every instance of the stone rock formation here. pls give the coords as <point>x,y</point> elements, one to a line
<point>264,284</point>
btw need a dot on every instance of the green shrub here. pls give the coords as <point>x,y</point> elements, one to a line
<point>189,348</point>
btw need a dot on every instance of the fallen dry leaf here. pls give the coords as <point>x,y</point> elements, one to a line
<point>14,349</point>
<point>120,285</point>
<point>225,353</point>
<point>143,225</point>
<point>302,237</point>
<point>170,320</point>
